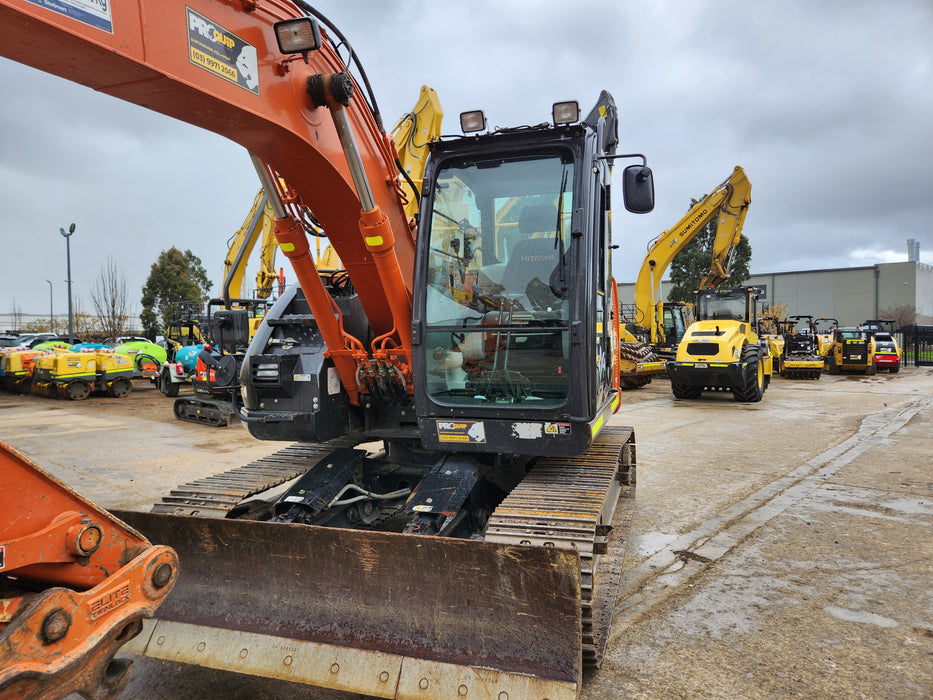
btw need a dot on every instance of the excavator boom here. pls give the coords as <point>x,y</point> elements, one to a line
<point>730,201</point>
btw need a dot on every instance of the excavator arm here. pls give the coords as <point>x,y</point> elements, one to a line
<point>412,134</point>
<point>259,225</point>
<point>730,200</point>
<point>75,585</point>
<point>219,66</point>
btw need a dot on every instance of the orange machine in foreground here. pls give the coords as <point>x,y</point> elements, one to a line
<point>458,512</point>
<point>75,584</point>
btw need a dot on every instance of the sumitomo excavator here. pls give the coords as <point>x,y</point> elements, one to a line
<point>646,338</point>
<point>451,515</point>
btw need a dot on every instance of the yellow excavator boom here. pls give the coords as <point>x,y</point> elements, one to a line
<point>412,134</point>
<point>258,225</point>
<point>730,201</point>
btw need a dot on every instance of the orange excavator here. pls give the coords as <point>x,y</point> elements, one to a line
<point>452,512</point>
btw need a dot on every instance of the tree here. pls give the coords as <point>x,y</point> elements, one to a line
<point>110,300</point>
<point>905,315</point>
<point>174,279</point>
<point>16,314</point>
<point>691,263</point>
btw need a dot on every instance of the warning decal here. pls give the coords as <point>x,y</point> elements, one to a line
<point>216,50</point>
<point>94,13</point>
<point>461,431</point>
<point>557,429</point>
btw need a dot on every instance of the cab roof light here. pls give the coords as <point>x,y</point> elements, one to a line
<point>565,112</point>
<point>298,35</point>
<point>471,122</point>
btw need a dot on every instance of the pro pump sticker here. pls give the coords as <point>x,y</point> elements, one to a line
<point>221,52</point>
<point>461,431</point>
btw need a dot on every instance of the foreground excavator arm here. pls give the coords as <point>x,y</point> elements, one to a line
<point>730,202</point>
<point>218,66</point>
<point>75,585</point>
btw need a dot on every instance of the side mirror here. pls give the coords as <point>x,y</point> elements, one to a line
<point>638,189</point>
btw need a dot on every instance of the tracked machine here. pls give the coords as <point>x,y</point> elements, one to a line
<point>853,350</point>
<point>453,517</point>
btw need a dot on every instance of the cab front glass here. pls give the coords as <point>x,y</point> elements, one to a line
<point>497,302</point>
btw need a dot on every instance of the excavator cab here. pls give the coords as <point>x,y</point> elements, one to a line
<point>513,270</point>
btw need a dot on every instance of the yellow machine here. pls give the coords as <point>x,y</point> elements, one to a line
<point>825,330</point>
<point>887,350</point>
<point>651,320</point>
<point>800,355</point>
<point>16,368</point>
<point>257,226</point>
<point>412,134</point>
<point>722,350</point>
<point>74,375</point>
<point>770,331</point>
<point>853,351</point>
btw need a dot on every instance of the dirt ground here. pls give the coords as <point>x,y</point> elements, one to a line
<point>779,549</point>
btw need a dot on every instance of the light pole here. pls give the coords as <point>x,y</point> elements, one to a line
<point>71,325</point>
<point>51,312</point>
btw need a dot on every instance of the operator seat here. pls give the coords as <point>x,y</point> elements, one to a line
<point>532,257</point>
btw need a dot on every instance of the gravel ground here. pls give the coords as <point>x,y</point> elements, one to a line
<point>779,549</point>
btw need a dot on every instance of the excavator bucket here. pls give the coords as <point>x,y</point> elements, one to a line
<point>388,615</point>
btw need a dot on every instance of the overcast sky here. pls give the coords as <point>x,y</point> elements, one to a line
<point>828,106</point>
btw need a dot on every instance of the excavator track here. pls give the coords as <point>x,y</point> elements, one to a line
<point>215,496</point>
<point>584,504</point>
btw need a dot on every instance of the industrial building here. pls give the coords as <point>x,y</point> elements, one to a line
<point>850,294</point>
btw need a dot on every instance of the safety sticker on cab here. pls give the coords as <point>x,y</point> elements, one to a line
<point>470,431</point>
<point>221,52</point>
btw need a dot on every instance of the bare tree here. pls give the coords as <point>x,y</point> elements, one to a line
<point>16,314</point>
<point>905,315</point>
<point>110,300</point>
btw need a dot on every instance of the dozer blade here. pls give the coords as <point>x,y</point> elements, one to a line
<point>389,615</point>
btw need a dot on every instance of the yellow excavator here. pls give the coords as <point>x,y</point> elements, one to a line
<point>645,338</point>
<point>257,226</point>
